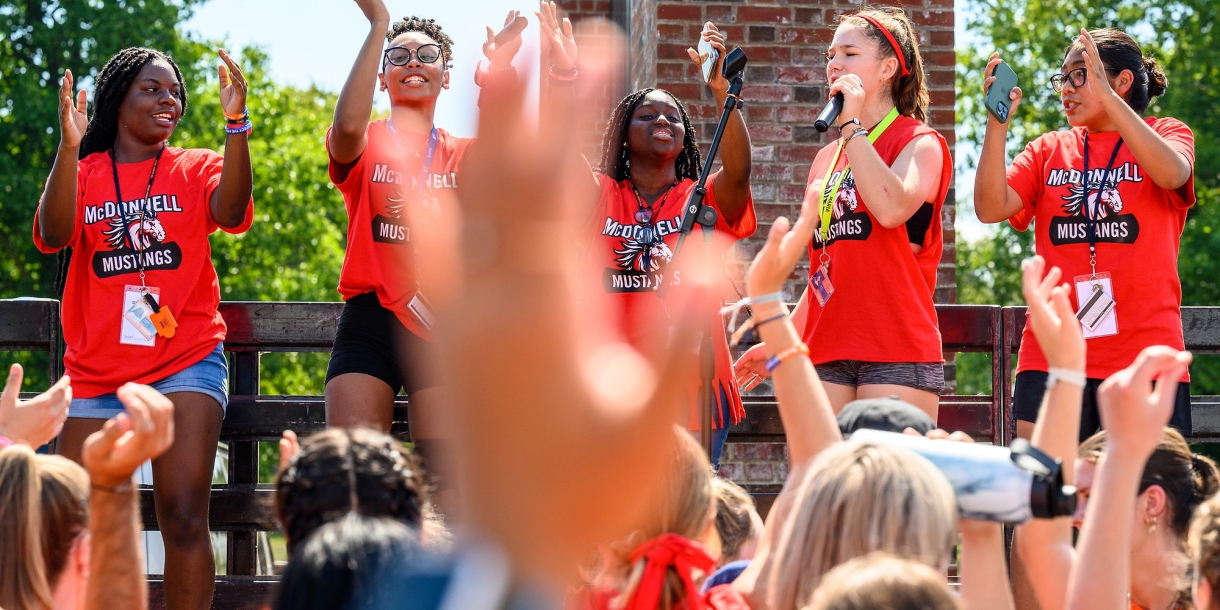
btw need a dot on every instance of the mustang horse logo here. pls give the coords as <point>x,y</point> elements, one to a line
<point>143,232</point>
<point>1074,201</point>
<point>638,256</point>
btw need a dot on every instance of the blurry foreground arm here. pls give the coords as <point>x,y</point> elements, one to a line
<point>112,455</point>
<point>36,421</point>
<point>1045,545</point>
<point>1133,414</point>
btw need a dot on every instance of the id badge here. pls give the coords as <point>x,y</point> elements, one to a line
<point>819,283</point>
<point>137,327</point>
<point>1097,314</point>
<point>422,310</point>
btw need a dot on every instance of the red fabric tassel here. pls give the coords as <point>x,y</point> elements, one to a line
<point>660,554</point>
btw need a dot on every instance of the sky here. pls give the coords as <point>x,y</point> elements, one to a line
<point>316,41</point>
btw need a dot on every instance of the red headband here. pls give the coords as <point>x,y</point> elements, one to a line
<point>893,43</point>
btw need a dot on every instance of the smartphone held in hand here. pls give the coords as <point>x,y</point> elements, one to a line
<point>708,56</point>
<point>997,102</point>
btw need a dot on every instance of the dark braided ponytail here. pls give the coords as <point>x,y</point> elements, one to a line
<point>109,90</point>
<point>614,161</point>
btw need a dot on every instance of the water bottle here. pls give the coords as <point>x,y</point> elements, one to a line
<point>992,483</point>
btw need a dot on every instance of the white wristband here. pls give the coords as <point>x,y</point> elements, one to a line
<point>1056,374</point>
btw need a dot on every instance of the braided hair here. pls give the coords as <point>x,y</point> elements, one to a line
<point>337,472</point>
<point>109,90</point>
<point>614,161</point>
<point>427,27</point>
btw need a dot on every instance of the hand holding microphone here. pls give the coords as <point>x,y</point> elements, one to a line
<point>847,99</point>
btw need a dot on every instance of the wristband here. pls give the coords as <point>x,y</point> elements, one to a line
<point>239,129</point>
<point>1055,374</point>
<point>6,442</point>
<point>566,76</point>
<point>855,134</point>
<point>778,316</point>
<point>244,114</point>
<point>849,122</point>
<point>118,489</point>
<point>774,296</point>
<point>792,350</point>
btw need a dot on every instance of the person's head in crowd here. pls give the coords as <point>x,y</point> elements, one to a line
<point>337,566</point>
<point>340,471</point>
<point>1175,482</point>
<point>737,522</point>
<point>856,499</point>
<point>885,414</point>
<point>883,582</point>
<point>44,540</point>
<point>1204,544</point>
<point>1134,76</point>
<point>415,65</point>
<point>880,46</point>
<point>628,136</point>
<point>683,523</point>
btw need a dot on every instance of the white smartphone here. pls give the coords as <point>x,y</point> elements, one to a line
<point>708,56</point>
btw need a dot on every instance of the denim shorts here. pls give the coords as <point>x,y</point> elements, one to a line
<point>209,376</point>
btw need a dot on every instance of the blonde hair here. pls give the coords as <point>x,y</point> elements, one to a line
<point>883,582</point>
<point>856,499</point>
<point>684,509</point>
<point>911,91</point>
<point>734,517</point>
<point>43,510</point>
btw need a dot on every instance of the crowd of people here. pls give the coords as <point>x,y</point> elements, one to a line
<point>552,398</point>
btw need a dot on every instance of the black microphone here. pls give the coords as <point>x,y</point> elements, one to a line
<point>829,113</point>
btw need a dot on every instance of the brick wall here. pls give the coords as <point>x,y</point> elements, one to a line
<point>785,89</point>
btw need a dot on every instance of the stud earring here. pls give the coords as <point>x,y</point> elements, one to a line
<point>1151,523</point>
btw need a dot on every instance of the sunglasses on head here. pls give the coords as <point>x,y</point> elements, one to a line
<point>1077,77</point>
<point>401,56</point>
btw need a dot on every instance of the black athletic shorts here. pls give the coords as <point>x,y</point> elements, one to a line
<point>1031,387</point>
<point>372,341</point>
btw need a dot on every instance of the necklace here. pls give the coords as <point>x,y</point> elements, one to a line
<point>643,214</point>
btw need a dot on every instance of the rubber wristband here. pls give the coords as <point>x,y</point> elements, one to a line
<point>792,350</point>
<point>562,76</point>
<point>774,296</point>
<point>1055,375</point>
<point>245,113</point>
<point>773,318</point>
<point>239,129</point>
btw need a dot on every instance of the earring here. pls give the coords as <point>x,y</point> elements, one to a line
<point>1151,523</point>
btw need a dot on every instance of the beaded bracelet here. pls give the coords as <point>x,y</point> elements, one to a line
<point>239,128</point>
<point>792,350</point>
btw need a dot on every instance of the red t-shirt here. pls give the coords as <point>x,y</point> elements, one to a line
<point>1137,237</point>
<point>376,188</point>
<point>881,309</point>
<point>618,260</point>
<point>179,262</point>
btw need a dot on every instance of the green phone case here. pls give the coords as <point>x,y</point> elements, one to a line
<point>997,102</point>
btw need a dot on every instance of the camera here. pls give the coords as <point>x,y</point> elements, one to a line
<point>1006,484</point>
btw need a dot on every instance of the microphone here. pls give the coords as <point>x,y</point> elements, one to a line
<point>829,113</point>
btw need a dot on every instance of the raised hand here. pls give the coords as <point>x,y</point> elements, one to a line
<point>1096,71</point>
<point>36,421</point>
<point>374,10</point>
<point>557,36</point>
<point>73,122</point>
<point>718,83</point>
<point>289,448</point>
<point>233,86</point>
<point>1133,412</point>
<point>501,47</point>
<point>143,432</point>
<point>1051,316</point>
<point>1014,97</point>
<point>774,263</point>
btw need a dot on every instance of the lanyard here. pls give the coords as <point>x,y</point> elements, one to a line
<point>1091,215</point>
<point>427,166</point>
<point>144,208</point>
<point>826,204</point>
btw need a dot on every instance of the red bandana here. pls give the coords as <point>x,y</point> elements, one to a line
<point>659,554</point>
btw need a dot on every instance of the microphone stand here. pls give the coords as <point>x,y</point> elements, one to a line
<point>705,216</point>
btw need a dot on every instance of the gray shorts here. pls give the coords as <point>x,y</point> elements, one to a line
<point>926,376</point>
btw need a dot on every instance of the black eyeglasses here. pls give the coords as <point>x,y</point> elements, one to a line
<point>401,56</point>
<point>1077,77</point>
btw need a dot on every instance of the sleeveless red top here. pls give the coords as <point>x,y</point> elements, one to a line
<point>881,309</point>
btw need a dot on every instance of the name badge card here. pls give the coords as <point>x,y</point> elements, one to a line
<point>422,310</point>
<point>820,285</point>
<point>1097,314</point>
<point>137,326</point>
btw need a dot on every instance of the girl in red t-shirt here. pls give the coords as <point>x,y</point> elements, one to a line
<point>867,314</point>
<point>1117,230</point>
<point>389,171</point>
<point>649,166</point>
<point>140,302</point>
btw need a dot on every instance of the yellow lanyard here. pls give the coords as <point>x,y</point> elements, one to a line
<point>826,204</point>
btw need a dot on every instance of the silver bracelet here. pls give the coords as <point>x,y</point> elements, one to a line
<point>856,134</point>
